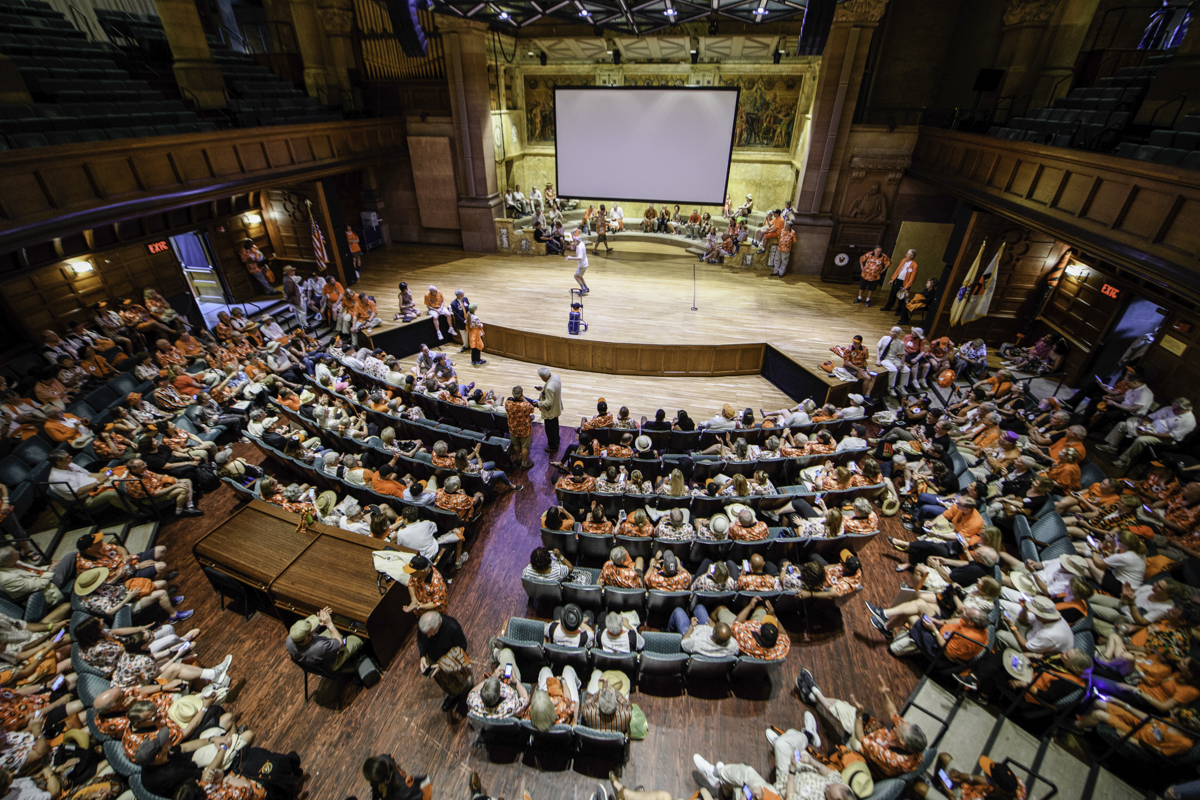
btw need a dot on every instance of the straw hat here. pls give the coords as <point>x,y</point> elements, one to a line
<point>1017,665</point>
<point>857,776</point>
<point>90,580</point>
<point>642,443</point>
<point>719,524</point>
<point>184,709</point>
<point>326,501</point>
<point>272,347</point>
<point>1043,608</point>
<point>1074,564</point>
<point>1024,583</point>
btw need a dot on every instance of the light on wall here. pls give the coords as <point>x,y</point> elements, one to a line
<point>1076,270</point>
<point>253,219</point>
<point>80,268</point>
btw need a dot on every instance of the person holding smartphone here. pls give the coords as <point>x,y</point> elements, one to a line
<point>500,695</point>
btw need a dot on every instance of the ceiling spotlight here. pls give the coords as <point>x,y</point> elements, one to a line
<point>530,52</point>
<point>761,10</point>
<point>503,15</point>
<point>670,12</point>
<point>583,12</point>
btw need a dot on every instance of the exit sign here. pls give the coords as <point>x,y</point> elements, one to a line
<point>1109,290</point>
<point>158,247</point>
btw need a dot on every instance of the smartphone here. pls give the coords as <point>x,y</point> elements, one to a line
<point>853,467</point>
<point>1016,662</point>
<point>796,755</point>
<point>926,618</point>
<point>58,636</point>
<point>57,683</point>
<point>945,779</point>
<point>1026,598</point>
<point>507,671</point>
<point>1091,540</point>
<point>746,565</point>
<point>108,472</point>
<point>1147,509</point>
<point>746,793</point>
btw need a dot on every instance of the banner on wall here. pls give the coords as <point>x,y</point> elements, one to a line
<point>980,299</point>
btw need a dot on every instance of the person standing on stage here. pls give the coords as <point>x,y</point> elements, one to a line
<point>550,404</point>
<point>458,316</point>
<point>601,230</point>
<point>902,280</point>
<point>580,256</point>
<point>873,265</point>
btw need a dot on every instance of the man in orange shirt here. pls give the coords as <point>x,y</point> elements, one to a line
<point>772,227</point>
<point>63,427</point>
<point>435,304</point>
<point>872,265</point>
<point>783,252</point>
<point>902,280</point>
<point>332,295</point>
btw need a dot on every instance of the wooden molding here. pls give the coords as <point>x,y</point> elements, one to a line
<point>1141,216</point>
<point>56,191</point>
<point>624,358</point>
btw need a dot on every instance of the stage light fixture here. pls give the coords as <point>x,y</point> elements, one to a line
<point>503,15</point>
<point>253,219</point>
<point>583,12</point>
<point>1077,270</point>
<point>80,268</point>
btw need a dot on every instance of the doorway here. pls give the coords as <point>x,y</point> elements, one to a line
<point>1129,337</point>
<point>205,281</point>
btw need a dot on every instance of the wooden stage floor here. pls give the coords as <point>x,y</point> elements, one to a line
<point>641,292</point>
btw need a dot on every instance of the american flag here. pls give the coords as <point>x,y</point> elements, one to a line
<point>318,245</point>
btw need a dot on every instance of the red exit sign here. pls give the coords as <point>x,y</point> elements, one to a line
<point>162,247</point>
<point>1110,291</point>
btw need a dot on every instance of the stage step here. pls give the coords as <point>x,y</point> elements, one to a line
<point>968,734</point>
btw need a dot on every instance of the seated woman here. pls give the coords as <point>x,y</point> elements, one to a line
<point>558,518</point>
<point>737,487</point>
<point>816,579</point>
<point>637,484</point>
<point>821,445</point>
<point>104,599</point>
<point>611,481</point>
<point>831,479</point>
<point>596,521</point>
<point>472,463</point>
<point>637,524</point>
<point>106,650</point>
<point>408,307</point>
<point>673,485</point>
<point>1088,505</point>
<point>761,484</point>
<point>1120,561</point>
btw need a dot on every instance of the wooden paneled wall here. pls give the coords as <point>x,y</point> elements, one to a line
<point>227,243</point>
<point>1028,257</point>
<point>51,296</point>
<point>287,217</point>
<point>1133,214</point>
<point>625,359</point>
<point>56,191</point>
<point>1080,311</point>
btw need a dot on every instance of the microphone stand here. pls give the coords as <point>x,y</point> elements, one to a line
<point>693,286</point>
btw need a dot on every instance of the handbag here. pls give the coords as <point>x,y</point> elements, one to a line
<point>454,672</point>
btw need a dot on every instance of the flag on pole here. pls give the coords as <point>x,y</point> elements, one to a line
<point>981,293</point>
<point>318,241</point>
<point>960,299</point>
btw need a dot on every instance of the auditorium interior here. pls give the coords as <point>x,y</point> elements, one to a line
<point>237,242</point>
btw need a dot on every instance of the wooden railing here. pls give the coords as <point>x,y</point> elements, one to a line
<point>51,192</point>
<point>1140,216</point>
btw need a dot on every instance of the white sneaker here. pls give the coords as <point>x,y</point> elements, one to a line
<point>220,669</point>
<point>708,771</point>
<point>462,560</point>
<point>772,737</point>
<point>810,727</point>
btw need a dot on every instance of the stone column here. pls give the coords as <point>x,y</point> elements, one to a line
<point>479,200</point>
<point>314,50</point>
<point>841,75</point>
<point>337,18</point>
<point>1064,38</point>
<point>1023,46</point>
<point>198,76</point>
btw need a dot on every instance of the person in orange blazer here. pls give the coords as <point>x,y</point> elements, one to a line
<point>902,279</point>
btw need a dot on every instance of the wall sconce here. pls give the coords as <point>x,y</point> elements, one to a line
<point>253,219</point>
<point>78,269</point>
<point>1077,271</point>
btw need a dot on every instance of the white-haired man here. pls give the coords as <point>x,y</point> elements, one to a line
<point>889,354</point>
<point>435,303</point>
<point>1165,426</point>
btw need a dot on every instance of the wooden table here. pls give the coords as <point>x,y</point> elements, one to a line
<point>302,572</point>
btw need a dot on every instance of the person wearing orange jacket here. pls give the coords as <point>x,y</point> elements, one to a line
<point>902,280</point>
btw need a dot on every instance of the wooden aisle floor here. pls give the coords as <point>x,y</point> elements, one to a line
<point>402,716</point>
<point>641,292</point>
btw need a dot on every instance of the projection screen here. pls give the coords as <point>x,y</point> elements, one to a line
<point>667,145</point>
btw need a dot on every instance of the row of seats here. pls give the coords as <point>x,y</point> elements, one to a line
<point>780,545</point>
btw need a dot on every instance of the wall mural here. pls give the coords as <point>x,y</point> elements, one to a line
<point>766,110</point>
<point>656,80</point>
<point>539,103</point>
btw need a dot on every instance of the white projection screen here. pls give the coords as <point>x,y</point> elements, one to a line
<point>667,145</point>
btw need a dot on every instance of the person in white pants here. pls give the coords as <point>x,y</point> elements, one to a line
<point>889,354</point>
<point>166,639</point>
<point>1167,425</point>
<point>569,680</point>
